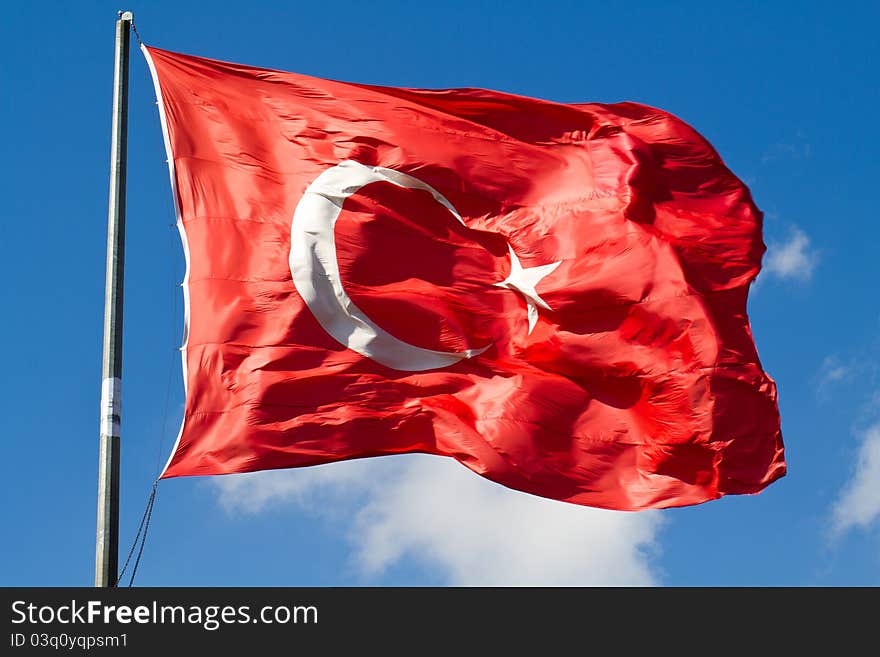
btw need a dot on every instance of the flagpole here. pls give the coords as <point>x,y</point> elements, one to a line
<point>107,539</point>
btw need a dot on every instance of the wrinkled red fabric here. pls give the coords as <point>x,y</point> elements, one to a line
<point>641,388</point>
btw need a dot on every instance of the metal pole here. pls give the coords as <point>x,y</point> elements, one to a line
<point>107,543</point>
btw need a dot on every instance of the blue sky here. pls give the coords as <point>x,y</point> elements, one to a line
<point>787,93</point>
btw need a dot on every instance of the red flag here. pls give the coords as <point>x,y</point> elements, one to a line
<point>554,295</point>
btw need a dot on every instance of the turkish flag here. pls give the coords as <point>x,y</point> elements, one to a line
<point>554,295</point>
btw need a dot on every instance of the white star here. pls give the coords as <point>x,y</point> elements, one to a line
<point>523,280</point>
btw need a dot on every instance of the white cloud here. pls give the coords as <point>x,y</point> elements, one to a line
<point>793,259</point>
<point>787,151</point>
<point>859,502</point>
<point>253,492</point>
<point>831,372</point>
<point>470,530</point>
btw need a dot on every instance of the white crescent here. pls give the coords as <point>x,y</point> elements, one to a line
<point>315,269</point>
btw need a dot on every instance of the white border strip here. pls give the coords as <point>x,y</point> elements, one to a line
<point>180,228</point>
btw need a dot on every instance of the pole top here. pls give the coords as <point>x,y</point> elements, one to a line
<point>125,16</point>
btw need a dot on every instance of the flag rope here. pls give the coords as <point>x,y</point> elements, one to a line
<point>141,534</point>
<point>140,538</point>
<point>135,31</point>
<point>137,561</point>
<point>174,352</point>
